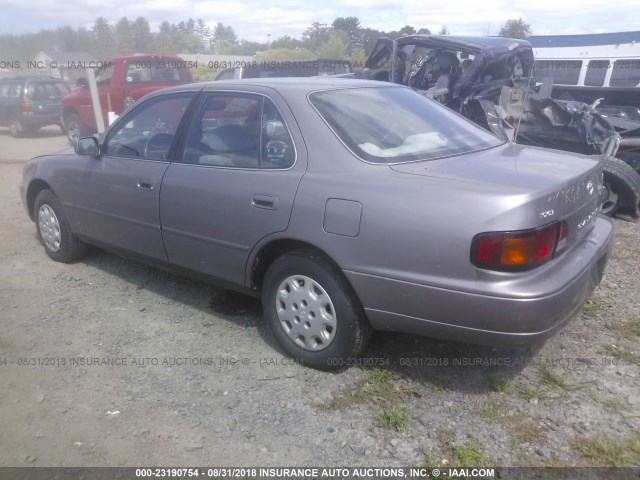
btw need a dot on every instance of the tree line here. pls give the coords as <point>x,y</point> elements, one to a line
<point>344,38</point>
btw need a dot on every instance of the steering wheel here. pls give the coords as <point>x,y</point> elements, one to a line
<point>157,146</point>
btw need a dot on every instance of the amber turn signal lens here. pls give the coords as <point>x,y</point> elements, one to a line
<point>518,251</point>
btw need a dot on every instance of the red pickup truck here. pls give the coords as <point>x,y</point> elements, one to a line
<point>121,81</point>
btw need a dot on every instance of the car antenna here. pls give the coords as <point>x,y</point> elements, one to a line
<point>524,99</point>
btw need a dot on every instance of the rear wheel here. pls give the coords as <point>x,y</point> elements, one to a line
<point>54,231</point>
<point>622,186</point>
<point>312,311</point>
<point>16,128</point>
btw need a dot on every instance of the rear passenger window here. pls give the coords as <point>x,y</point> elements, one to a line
<point>596,72</point>
<point>239,131</point>
<point>15,91</point>
<point>277,147</point>
<point>4,90</point>
<point>626,73</point>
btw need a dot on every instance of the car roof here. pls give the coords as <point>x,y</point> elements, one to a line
<point>32,79</point>
<point>284,84</point>
<point>470,42</point>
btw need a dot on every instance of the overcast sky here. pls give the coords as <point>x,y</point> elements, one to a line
<point>254,20</point>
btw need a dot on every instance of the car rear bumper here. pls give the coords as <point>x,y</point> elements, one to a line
<point>477,317</point>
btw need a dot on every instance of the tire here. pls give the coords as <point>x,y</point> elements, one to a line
<point>74,128</point>
<point>622,186</point>
<point>54,231</point>
<point>16,129</point>
<point>323,345</point>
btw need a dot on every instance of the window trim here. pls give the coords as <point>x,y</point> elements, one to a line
<point>197,108</point>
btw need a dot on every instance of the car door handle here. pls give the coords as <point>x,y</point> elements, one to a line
<point>146,184</point>
<point>265,201</point>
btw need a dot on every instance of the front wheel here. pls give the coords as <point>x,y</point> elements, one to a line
<point>54,231</point>
<point>74,128</point>
<point>312,311</point>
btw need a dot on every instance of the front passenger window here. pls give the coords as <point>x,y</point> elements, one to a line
<point>148,131</point>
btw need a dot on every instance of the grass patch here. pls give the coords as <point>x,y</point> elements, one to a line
<point>436,388</point>
<point>602,450</point>
<point>499,382</point>
<point>620,253</point>
<point>469,455</point>
<point>382,390</point>
<point>529,393</point>
<point>554,380</point>
<point>521,428</point>
<point>621,353</point>
<point>393,417</point>
<point>614,405</point>
<point>493,410</point>
<point>628,330</point>
<point>524,430</point>
<point>592,307</point>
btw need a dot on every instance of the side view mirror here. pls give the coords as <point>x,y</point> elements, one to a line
<point>82,82</point>
<point>87,146</point>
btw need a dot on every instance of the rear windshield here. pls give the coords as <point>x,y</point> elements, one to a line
<point>392,125</point>
<point>157,71</point>
<point>46,90</point>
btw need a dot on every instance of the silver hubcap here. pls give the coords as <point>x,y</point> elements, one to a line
<point>306,312</point>
<point>611,200</point>
<point>73,131</point>
<point>49,228</point>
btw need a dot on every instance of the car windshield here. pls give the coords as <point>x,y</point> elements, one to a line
<point>393,125</point>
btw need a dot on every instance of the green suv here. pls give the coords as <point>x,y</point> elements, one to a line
<point>29,103</point>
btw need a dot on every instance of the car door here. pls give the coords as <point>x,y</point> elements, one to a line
<point>117,203</point>
<point>236,183</point>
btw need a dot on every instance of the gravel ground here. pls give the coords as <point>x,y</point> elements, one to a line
<point>192,378</point>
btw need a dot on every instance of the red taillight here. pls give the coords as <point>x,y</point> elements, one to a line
<point>26,107</point>
<point>521,250</point>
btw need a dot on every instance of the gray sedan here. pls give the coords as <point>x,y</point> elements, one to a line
<point>346,205</point>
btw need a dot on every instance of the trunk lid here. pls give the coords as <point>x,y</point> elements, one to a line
<point>545,185</point>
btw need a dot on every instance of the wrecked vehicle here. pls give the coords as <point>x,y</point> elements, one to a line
<point>490,80</point>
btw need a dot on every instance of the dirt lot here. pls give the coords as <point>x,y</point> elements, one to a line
<point>107,362</point>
